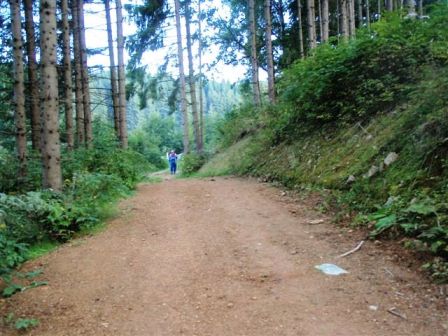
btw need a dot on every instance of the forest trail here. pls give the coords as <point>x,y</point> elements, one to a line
<point>220,257</point>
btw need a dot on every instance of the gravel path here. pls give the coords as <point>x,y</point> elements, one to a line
<point>225,256</point>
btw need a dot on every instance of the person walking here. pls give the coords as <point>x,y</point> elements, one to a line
<point>172,159</point>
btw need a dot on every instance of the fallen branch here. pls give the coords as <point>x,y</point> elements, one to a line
<point>394,311</point>
<point>352,251</point>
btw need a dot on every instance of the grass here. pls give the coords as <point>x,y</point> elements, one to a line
<point>41,248</point>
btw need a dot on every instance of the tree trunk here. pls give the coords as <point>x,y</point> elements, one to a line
<point>121,77</point>
<point>311,24</point>
<point>351,17</point>
<point>253,54</point>
<point>325,21</point>
<point>33,81</point>
<point>420,8</point>
<point>19,86</point>
<point>180,58</point>
<point>269,52</point>
<point>299,23</point>
<point>360,17</point>
<point>368,14</point>
<point>338,18</point>
<point>67,76</point>
<point>85,77</point>
<point>201,98</point>
<point>80,136</point>
<point>390,5</point>
<point>192,80</point>
<point>319,10</point>
<point>51,157</point>
<point>345,30</point>
<point>379,9</point>
<point>113,71</point>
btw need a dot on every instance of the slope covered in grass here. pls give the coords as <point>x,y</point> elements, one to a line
<point>368,120</point>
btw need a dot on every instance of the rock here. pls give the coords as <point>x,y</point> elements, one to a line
<point>390,158</point>
<point>315,221</point>
<point>230,305</point>
<point>373,307</point>
<point>372,171</point>
<point>350,179</point>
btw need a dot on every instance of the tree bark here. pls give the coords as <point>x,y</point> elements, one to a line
<point>85,77</point>
<point>19,86</point>
<point>379,9</point>
<point>121,77</point>
<point>253,54</point>
<point>192,80</point>
<point>311,24</point>
<point>390,5</point>
<point>67,75</point>
<point>300,24</point>
<point>201,97</point>
<point>345,30</point>
<point>420,8</point>
<point>351,17</point>
<point>80,136</point>
<point>368,14</point>
<point>269,52</point>
<point>325,21</point>
<point>319,10</point>
<point>180,58</point>
<point>51,157</point>
<point>360,17</point>
<point>113,71</point>
<point>33,81</point>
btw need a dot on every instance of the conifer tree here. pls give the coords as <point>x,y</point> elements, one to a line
<point>51,157</point>
<point>19,86</point>
<point>33,80</point>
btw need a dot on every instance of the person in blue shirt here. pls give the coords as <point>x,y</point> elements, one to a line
<point>172,159</point>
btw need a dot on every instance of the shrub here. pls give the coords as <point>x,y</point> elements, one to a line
<point>191,163</point>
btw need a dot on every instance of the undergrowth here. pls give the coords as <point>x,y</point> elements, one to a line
<point>34,222</point>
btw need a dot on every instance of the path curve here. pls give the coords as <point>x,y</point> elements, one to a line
<point>225,256</point>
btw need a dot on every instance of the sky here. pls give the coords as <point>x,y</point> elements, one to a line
<point>96,37</point>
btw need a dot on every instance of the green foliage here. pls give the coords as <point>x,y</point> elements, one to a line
<point>236,124</point>
<point>155,138</point>
<point>25,323</point>
<point>8,171</point>
<point>341,111</point>
<point>12,253</point>
<point>191,163</point>
<point>20,323</point>
<point>356,80</point>
<point>93,179</point>
<point>438,269</point>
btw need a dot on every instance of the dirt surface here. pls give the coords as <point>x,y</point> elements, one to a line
<point>226,256</point>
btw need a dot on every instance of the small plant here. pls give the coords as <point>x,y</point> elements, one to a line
<point>25,323</point>
<point>438,269</point>
<point>21,323</point>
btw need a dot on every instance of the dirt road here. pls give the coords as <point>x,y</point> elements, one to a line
<point>226,257</point>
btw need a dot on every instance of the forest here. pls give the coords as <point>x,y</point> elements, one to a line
<point>344,98</point>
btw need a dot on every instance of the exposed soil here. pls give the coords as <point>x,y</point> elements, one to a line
<point>226,256</point>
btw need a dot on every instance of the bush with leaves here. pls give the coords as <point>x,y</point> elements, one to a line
<point>191,163</point>
<point>355,80</point>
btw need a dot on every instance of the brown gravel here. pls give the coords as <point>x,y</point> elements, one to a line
<point>225,256</point>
